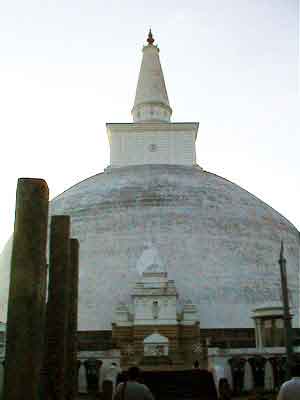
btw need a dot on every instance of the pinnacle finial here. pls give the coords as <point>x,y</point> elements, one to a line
<point>150,38</point>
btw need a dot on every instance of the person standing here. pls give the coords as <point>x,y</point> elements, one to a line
<point>132,389</point>
<point>290,390</point>
<point>224,389</point>
<point>110,378</point>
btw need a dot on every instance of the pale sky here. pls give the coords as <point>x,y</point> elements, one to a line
<point>69,66</point>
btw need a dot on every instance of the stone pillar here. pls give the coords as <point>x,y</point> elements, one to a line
<point>72,368</point>
<point>100,373</point>
<point>82,383</point>
<point>1,378</point>
<point>57,311</point>
<point>260,333</point>
<point>25,317</point>
<point>256,333</point>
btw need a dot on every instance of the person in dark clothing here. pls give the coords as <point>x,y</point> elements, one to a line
<point>224,389</point>
<point>132,389</point>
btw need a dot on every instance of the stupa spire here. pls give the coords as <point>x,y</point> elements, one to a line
<point>150,38</point>
<point>151,99</point>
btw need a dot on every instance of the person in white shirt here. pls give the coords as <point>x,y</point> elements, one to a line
<point>110,375</point>
<point>133,390</point>
<point>290,390</point>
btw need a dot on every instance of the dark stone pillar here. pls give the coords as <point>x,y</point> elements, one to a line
<point>57,311</point>
<point>26,304</point>
<point>72,368</point>
<point>92,370</point>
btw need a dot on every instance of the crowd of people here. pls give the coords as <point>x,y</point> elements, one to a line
<point>133,388</point>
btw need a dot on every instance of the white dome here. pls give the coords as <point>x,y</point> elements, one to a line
<point>150,261</point>
<point>217,241</point>
<point>156,338</point>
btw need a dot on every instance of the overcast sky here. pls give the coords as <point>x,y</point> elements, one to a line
<point>69,66</point>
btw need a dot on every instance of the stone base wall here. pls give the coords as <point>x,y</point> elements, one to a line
<point>184,343</point>
<point>187,343</point>
<point>229,338</point>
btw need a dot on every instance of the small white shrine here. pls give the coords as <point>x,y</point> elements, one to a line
<point>154,297</point>
<point>156,345</point>
<point>154,324</point>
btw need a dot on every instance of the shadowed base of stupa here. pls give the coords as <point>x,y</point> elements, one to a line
<point>171,385</point>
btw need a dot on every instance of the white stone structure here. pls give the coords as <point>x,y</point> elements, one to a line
<point>218,360</point>
<point>152,139</point>
<point>151,99</point>
<point>268,318</point>
<point>107,358</point>
<point>152,143</point>
<point>154,298</point>
<point>220,243</point>
<point>156,345</point>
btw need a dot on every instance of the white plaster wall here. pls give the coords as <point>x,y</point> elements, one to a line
<point>159,147</point>
<point>218,242</point>
<point>151,112</point>
<point>143,310</point>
